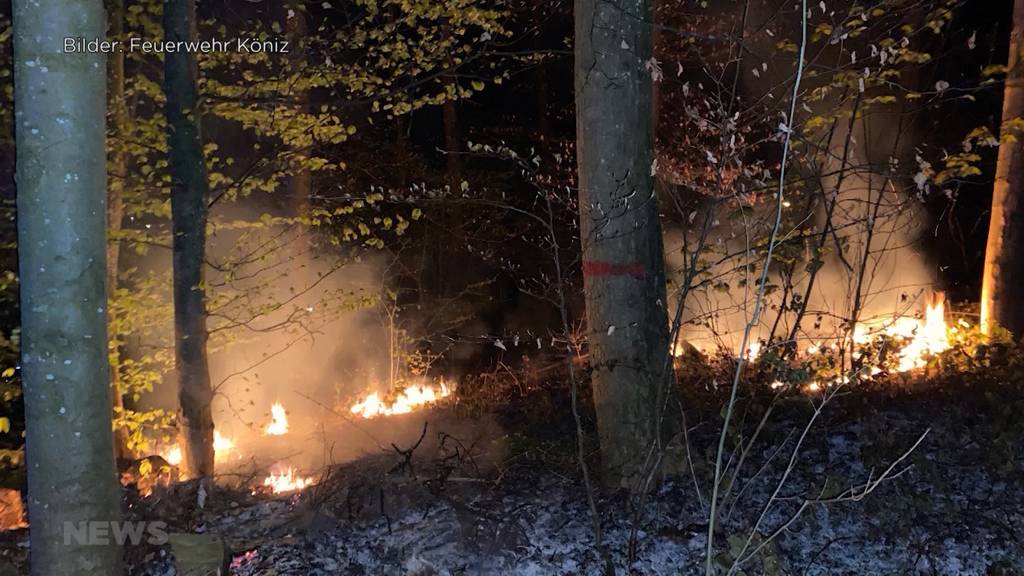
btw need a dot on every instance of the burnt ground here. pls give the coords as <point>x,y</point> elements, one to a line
<point>515,505</point>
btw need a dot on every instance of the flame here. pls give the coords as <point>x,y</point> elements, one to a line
<point>286,481</point>
<point>411,398</point>
<point>925,337</point>
<point>173,456</point>
<point>279,424</point>
<point>222,446</point>
<point>754,350</point>
<point>930,338</point>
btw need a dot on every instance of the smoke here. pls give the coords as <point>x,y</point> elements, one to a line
<point>871,264</point>
<point>291,322</point>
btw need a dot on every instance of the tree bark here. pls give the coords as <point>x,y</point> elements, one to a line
<point>115,207</point>
<point>452,143</point>
<point>540,76</point>
<point>60,105</point>
<point>189,192</point>
<point>301,182</point>
<point>1003,282</point>
<point>453,177</point>
<point>401,151</point>
<point>623,260</point>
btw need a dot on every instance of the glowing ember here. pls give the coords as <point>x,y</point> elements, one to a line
<point>239,561</point>
<point>279,425</point>
<point>410,399</point>
<point>286,481</point>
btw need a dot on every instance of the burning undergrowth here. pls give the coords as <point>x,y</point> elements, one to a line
<point>270,455</point>
<point>305,360</point>
<point>284,451</point>
<point>509,499</point>
<point>436,507</point>
<point>881,350</point>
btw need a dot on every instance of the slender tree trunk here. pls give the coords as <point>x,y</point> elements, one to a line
<point>1002,288</point>
<point>623,261</point>
<point>60,103</point>
<point>189,192</point>
<point>115,207</point>
<point>401,151</point>
<point>301,183</point>
<point>453,166</point>
<point>540,76</point>
<point>453,177</point>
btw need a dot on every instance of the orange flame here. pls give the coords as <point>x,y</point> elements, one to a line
<point>926,337</point>
<point>286,481</point>
<point>222,447</point>
<point>279,424</point>
<point>411,398</point>
<point>173,456</point>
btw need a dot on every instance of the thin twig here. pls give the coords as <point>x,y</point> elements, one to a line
<point>709,555</point>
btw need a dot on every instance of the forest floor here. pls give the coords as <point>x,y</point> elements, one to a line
<point>956,508</point>
<point>516,505</point>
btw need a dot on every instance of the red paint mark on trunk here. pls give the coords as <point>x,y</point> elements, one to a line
<point>596,268</point>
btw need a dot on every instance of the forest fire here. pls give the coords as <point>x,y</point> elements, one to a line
<point>410,399</point>
<point>279,425</point>
<point>286,480</point>
<point>667,300</point>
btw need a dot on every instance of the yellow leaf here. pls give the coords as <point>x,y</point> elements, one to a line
<point>8,373</point>
<point>5,424</point>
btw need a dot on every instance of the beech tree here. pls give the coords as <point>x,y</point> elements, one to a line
<point>60,102</point>
<point>623,267</point>
<point>1001,290</point>
<point>189,192</point>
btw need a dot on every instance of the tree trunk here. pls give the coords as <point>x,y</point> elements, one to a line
<point>623,261</point>
<point>453,177</point>
<point>60,103</point>
<point>115,207</point>
<point>1003,282</point>
<point>453,162</point>
<point>301,182</point>
<point>189,191</point>
<point>539,16</point>
<point>401,151</point>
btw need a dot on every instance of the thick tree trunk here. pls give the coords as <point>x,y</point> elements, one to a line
<point>60,102</point>
<point>1003,283</point>
<point>189,191</point>
<point>623,262</point>
<point>115,206</point>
